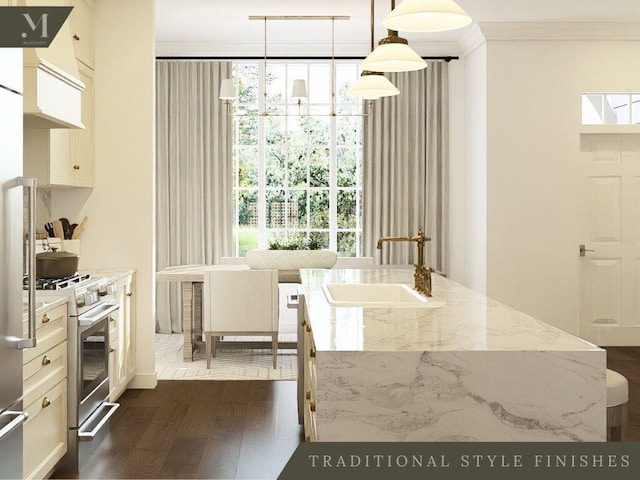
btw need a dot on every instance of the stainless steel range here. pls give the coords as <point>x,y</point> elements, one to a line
<point>90,306</point>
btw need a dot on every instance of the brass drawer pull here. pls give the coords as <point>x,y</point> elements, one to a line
<point>76,37</point>
<point>112,349</point>
<point>76,167</point>
<point>45,360</point>
<point>312,406</point>
<point>45,318</point>
<point>308,395</point>
<point>129,294</point>
<point>111,319</point>
<point>45,402</point>
<point>312,352</point>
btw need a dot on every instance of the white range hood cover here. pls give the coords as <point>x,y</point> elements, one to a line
<point>52,89</point>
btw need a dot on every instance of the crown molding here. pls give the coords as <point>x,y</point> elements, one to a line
<point>471,40</point>
<point>561,31</point>
<point>299,49</point>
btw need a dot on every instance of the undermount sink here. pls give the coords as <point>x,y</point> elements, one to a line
<point>377,295</point>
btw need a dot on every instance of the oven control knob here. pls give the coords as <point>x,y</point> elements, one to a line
<point>80,300</point>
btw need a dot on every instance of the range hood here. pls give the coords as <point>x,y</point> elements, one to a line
<point>52,89</point>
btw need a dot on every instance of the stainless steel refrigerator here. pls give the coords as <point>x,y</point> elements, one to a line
<point>12,263</point>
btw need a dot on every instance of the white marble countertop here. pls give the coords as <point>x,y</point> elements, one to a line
<point>113,274</point>
<point>468,322</point>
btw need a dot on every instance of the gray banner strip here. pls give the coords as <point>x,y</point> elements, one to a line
<point>27,27</point>
<point>521,460</point>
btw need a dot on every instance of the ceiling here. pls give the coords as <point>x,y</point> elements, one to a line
<point>222,29</point>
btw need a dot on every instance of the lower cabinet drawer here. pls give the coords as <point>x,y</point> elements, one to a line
<point>47,369</point>
<point>51,329</point>
<point>45,432</point>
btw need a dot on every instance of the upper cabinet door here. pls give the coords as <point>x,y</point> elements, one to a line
<point>11,69</point>
<point>83,31</point>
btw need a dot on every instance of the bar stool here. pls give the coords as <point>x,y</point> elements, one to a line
<point>617,398</point>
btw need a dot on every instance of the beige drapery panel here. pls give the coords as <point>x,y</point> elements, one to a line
<point>405,168</point>
<point>193,175</point>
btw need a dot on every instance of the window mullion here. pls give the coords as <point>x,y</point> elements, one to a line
<point>262,204</point>
<point>333,182</point>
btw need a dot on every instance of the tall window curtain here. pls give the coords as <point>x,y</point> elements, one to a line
<point>405,168</point>
<point>194,175</point>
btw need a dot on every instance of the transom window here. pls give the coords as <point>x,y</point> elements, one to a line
<point>298,169</point>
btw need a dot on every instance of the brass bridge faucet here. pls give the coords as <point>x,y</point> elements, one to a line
<point>422,274</point>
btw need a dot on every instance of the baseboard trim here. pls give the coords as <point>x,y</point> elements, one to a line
<point>147,381</point>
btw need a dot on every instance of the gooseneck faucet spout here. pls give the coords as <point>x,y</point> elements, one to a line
<point>423,273</point>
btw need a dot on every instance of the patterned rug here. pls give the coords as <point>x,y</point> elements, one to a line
<point>229,364</point>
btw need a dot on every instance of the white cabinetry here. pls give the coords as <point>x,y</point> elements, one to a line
<point>82,30</point>
<point>309,379</point>
<point>45,394</point>
<point>122,361</point>
<point>66,157</point>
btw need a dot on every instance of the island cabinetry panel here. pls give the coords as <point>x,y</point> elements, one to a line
<point>309,382</point>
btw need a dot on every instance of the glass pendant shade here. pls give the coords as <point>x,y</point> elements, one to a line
<point>393,54</point>
<point>426,16</point>
<point>227,90</point>
<point>299,89</point>
<point>372,85</point>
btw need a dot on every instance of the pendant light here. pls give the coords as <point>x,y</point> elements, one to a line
<point>372,85</point>
<point>427,16</point>
<point>393,54</point>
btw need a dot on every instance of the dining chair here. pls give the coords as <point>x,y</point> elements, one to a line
<point>240,303</point>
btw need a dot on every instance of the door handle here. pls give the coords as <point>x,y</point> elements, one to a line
<point>31,184</point>
<point>584,250</point>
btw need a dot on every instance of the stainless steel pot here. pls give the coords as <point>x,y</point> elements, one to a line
<point>56,264</point>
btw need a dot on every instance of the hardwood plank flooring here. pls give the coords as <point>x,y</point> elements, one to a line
<point>199,429</point>
<point>236,429</point>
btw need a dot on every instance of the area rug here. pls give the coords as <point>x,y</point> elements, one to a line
<point>229,364</point>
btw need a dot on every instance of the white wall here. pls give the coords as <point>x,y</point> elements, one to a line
<point>121,208</point>
<point>533,142</point>
<point>468,174</point>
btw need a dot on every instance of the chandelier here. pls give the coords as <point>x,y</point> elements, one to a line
<point>299,87</point>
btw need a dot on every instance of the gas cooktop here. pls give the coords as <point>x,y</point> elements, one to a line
<point>57,283</point>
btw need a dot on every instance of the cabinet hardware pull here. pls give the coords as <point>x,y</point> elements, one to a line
<point>308,395</point>
<point>46,360</point>
<point>129,294</point>
<point>76,167</point>
<point>76,37</point>
<point>112,349</point>
<point>45,402</point>
<point>308,328</point>
<point>312,352</point>
<point>45,318</point>
<point>111,319</point>
<point>312,406</point>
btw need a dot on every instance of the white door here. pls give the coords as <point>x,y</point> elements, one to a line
<point>610,274</point>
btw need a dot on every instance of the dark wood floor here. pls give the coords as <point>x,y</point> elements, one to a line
<point>200,429</point>
<point>236,429</point>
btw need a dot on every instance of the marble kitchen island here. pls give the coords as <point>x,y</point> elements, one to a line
<point>471,370</point>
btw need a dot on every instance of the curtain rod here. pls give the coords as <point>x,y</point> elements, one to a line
<point>443,58</point>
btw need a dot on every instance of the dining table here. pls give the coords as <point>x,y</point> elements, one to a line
<point>191,279</point>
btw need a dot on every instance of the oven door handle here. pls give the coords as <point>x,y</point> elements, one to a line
<point>104,310</point>
<point>112,407</point>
